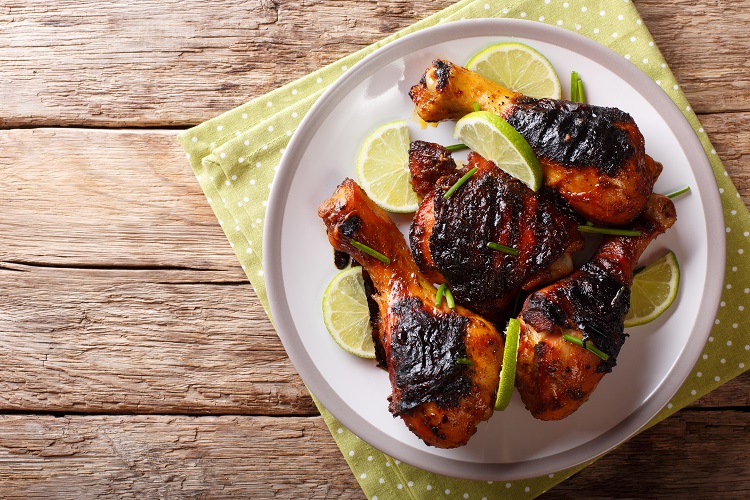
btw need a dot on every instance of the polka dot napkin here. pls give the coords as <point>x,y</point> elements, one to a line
<point>235,157</point>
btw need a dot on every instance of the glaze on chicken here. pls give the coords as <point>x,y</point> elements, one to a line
<point>554,376</point>
<point>449,237</point>
<point>440,395</point>
<point>592,156</point>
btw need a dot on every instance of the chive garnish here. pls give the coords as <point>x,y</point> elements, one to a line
<point>586,228</point>
<point>502,248</point>
<point>675,194</point>
<point>456,147</point>
<point>587,345</point>
<point>573,86</point>
<point>449,298</point>
<point>577,93</point>
<point>369,251</point>
<point>464,361</point>
<point>439,294</point>
<point>460,182</point>
<point>476,106</point>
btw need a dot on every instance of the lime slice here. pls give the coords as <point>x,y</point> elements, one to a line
<point>497,140</point>
<point>653,290</point>
<point>508,372</point>
<point>517,67</point>
<point>346,314</point>
<point>383,168</point>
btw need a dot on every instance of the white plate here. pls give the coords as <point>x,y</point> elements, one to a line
<point>298,259</point>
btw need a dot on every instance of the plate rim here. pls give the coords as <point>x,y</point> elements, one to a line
<point>682,364</point>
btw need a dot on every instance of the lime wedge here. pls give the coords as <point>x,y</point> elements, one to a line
<point>508,372</point>
<point>346,314</point>
<point>517,67</point>
<point>383,168</point>
<point>496,140</point>
<point>653,291</point>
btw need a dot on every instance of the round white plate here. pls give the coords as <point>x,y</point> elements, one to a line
<point>298,259</point>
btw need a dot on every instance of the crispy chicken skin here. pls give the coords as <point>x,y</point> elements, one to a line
<point>593,156</point>
<point>428,162</point>
<point>449,237</point>
<point>441,400</point>
<point>554,376</point>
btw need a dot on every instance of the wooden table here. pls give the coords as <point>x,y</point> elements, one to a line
<point>137,359</point>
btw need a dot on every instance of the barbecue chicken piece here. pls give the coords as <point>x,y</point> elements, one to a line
<point>591,155</point>
<point>449,237</point>
<point>555,376</point>
<point>439,396</point>
<point>428,162</point>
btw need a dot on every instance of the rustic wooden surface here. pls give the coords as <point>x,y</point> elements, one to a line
<point>138,362</point>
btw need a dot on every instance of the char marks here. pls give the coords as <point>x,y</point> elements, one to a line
<point>596,306</point>
<point>424,350</point>
<point>442,74</point>
<point>573,134</point>
<point>482,211</point>
<point>428,162</point>
<point>450,237</point>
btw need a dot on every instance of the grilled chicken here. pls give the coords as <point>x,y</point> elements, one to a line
<point>438,393</point>
<point>449,237</point>
<point>554,376</point>
<point>592,156</point>
<point>428,162</point>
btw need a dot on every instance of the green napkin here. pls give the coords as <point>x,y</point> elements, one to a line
<point>235,157</point>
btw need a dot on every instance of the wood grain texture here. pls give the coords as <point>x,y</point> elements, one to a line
<point>86,457</point>
<point>138,362</point>
<point>175,62</point>
<point>262,457</point>
<point>179,62</point>
<point>106,198</point>
<point>690,455</point>
<point>100,279</point>
<point>140,341</point>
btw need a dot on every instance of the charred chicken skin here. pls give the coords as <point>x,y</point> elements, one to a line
<point>449,237</point>
<point>554,376</point>
<point>592,156</point>
<point>439,396</point>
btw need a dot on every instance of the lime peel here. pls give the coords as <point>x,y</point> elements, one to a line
<point>346,313</point>
<point>653,290</point>
<point>496,140</point>
<point>518,67</point>
<point>383,168</point>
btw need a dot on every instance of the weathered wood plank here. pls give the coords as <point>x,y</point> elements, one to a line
<point>703,43</point>
<point>130,341</point>
<point>694,454</point>
<point>733,394</point>
<point>261,457</point>
<point>64,205</point>
<point>179,62</point>
<point>140,341</point>
<point>106,198</point>
<point>176,62</point>
<point>171,457</point>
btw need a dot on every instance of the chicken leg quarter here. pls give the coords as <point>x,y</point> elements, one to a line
<point>554,376</point>
<point>593,156</point>
<point>443,363</point>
